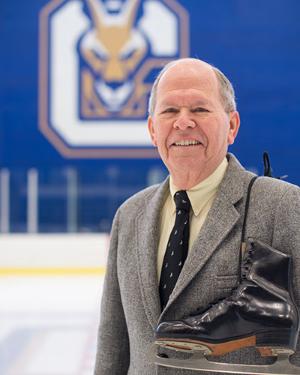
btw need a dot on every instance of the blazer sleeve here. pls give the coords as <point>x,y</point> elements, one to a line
<point>286,237</point>
<point>113,345</point>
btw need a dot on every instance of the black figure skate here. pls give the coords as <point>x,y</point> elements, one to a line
<point>260,312</point>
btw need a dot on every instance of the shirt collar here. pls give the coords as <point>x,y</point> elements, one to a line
<point>202,192</point>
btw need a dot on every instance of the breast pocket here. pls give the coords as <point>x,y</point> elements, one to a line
<point>225,284</point>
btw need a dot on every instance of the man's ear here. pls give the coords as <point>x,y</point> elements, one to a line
<point>234,125</point>
<point>152,131</point>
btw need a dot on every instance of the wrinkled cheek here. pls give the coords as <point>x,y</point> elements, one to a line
<point>162,151</point>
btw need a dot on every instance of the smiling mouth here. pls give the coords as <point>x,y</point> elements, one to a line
<point>186,143</point>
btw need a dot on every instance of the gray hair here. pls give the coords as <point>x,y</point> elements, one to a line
<point>226,90</point>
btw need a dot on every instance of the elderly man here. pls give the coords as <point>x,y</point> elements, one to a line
<point>175,246</point>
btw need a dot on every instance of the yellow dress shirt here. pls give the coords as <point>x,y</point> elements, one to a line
<point>201,197</point>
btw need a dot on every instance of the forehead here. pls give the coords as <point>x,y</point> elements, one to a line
<point>188,82</point>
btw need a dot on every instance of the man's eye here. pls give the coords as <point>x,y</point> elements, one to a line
<point>199,109</point>
<point>170,110</point>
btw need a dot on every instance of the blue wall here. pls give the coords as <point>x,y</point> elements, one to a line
<point>256,44</point>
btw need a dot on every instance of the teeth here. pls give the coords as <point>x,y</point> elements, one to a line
<point>187,143</point>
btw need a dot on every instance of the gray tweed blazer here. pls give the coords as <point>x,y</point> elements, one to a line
<point>130,309</point>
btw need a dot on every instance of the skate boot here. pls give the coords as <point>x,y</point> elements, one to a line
<point>260,312</point>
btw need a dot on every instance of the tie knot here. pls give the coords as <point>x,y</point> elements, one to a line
<point>182,201</point>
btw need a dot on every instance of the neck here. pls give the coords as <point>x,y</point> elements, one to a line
<point>185,179</point>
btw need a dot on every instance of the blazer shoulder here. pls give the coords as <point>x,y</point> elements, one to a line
<point>276,186</point>
<point>275,193</point>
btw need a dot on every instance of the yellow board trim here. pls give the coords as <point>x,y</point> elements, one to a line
<point>51,271</point>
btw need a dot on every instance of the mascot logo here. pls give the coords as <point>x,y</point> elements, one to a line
<point>98,61</point>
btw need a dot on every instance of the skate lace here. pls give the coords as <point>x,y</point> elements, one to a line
<point>246,264</point>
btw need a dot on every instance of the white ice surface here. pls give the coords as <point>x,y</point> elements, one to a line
<point>49,324</point>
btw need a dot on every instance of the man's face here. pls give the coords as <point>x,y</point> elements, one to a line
<point>189,126</point>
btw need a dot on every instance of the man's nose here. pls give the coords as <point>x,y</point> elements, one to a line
<point>184,121</point>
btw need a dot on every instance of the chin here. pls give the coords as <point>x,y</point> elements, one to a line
<point>187,164</point>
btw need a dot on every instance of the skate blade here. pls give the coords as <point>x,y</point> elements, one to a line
<point>209,348</point>
<point>198,362</point>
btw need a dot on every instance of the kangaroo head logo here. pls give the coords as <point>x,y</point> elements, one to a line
<point>94,104</point>
<point>111,51</point>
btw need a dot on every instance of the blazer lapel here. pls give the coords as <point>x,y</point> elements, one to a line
<point>147,234</point>
<point>220,220</point>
